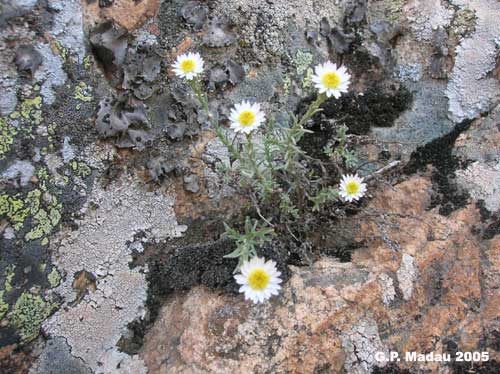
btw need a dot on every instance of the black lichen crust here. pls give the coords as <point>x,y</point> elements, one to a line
<point>489,367</point>
<point>179,268</point>
<point>204,264</point>
<point>375,108</point>
<point>438,153</point>
<point>390,369</point>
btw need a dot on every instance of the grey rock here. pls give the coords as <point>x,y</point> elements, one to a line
<point>19,173</point>
<point>195,13</point>
<point>28,58</point>
<point>159,167</point>
<point>109,45</point>
<point>192,183</point>
<point>56,358</point>
<point>141,69</point>
<point>217,77</point>
<point>50,72</point>
<point>219,34</point>
<point>236,72</point>
<point>125,119</point>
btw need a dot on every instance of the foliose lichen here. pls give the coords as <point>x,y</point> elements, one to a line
<point>54,278</point>
<point>9,275</point>
<point>7,134</point>
<point>4,307</point>
<point>12,207</point>
<point>80,168</point>
<point>83,92</point>
<point>28,313</point>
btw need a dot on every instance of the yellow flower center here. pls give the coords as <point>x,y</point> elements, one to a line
<point>187,66</point>
<point>258,279</point>
<point>247,118</point>
<point>352,188</point>
<point>331,80</point>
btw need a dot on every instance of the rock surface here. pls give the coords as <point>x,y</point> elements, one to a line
<point>112,181</point>
<point>423,283</point>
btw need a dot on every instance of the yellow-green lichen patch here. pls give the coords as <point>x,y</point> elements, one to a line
<point>12,207</point>
<point>60,50</point>
<point>80,168</point>
<point>28,313</point>
<point>45,222</point>
<point>395,9</point>
<point>51,131</point>
<point>31,109</point>
<point>302,62</point>
<point>4,307</point>
<point>54,278</point>
<point>17,210</point>
<point>464,22</point>
<point>9,275</point>
<point>43,177</point>
<point>287,83</point>
<point>307,81</point>
<point>87,62</point>
<point>83,92</point>
<point>7,134</point>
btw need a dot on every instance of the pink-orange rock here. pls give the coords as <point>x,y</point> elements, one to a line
<point>423,283</point>
<point>126,13</point>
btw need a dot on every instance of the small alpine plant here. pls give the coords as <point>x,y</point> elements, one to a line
<point>269,167</point>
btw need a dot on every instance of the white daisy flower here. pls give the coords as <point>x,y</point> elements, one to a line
<point>352,187</point>
<point>331,80</point>
<point>246,117</point>
<point>188,65</point>
<point>259,279</point>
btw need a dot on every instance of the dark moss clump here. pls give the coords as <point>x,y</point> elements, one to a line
<point>182,268</point>
<point>390,369</point>
<point>170,22</point>
<point>489,367</point>
<point>375,108</point>
<point>205,265</point>
<point>492,230</point>
<point>490,221</point>
<point>438,153</point>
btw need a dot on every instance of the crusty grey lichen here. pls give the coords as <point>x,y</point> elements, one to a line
<point>361,344</point>
<point>407,274</point>
<point>93,326</point>
<point>472,89</point>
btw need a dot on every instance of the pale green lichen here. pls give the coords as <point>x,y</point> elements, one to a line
<point>83,92</point>
<point>9,276</point>
<point>7,134</point>
<point>307,81</point>
<point>28,313</point>
<point>302,62</point>
<point>464,22</point>
<point>80,168</point>
<point>54,278</point>
<point>31,109</point>
<point>51,130</point>
<point>287,83</point>
<point>87,62</point>
<point>43,176</point>
<point>62,51</point>
<point>46,221</point>
<point>4,307</point>
<point>395,9</point>
<point>13,208</point>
